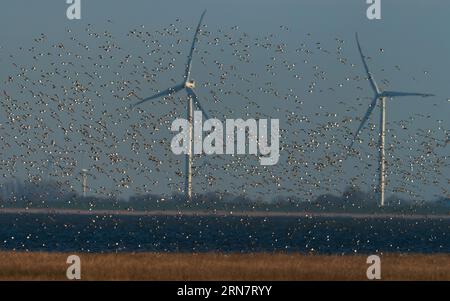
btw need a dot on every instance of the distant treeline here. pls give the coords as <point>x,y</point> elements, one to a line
<point>50,194</point>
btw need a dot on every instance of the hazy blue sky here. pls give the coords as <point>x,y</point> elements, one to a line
<point>413,35</point>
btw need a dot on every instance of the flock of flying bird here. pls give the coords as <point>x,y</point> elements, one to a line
<point>66,107</point>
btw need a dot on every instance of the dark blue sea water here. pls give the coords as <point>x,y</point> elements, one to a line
<point>224,234</point>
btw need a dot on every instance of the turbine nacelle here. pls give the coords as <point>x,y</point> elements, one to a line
<point>189,84</point>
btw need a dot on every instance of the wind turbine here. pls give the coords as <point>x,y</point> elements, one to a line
<point>84,184</point>
<point>379,96</point>
<point>188,85</point>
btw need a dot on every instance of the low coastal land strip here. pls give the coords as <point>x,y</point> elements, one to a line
<point>217,266</point>
<point>220,213</point>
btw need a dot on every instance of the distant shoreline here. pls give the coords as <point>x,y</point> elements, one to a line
<point>221,213</point>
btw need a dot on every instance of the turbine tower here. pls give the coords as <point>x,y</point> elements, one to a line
<point>381,97</point>
<point>84,185</point>
<point>188,85</point>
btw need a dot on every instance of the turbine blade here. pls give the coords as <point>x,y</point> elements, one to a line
<point>372,81</point>
<point>364,120</point>
<point>400,94</point>
<point>166,92</point>
<point>192,94</point>
<point>191,52</point>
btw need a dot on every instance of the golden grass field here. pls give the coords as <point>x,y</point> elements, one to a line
<point>213,266</point>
